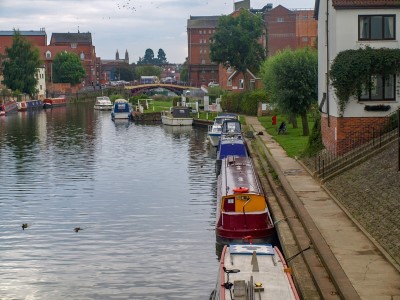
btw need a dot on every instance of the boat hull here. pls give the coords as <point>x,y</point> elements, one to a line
<point>30,105</point>
<point>103,107</point>
<point>171,121</point>
<point>8,107</point>
<point>121,110</point>
<point>214,139</point>
<point>54,102</point>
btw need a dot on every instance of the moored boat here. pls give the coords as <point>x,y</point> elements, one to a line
<point>29,105</point>
<point>231,142</point>
<point>177,116</point>
<point>103,103</point>
<point>55,102</point>
<point>8,107</point>
<point>242,210</point>
<point>214,130</point>
<point>121,110</point>
<point>255,271</point>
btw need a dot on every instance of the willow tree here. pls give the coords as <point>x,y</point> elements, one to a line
<point>20,65</point>
<point>290,79</point>
<point>236,42</point>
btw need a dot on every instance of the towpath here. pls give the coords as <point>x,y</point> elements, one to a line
<point>356,265</point>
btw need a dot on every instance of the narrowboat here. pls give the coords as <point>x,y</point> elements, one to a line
<point>8,107</point>
<point>55,102</point>
<point>177,116</point>
<point>121,110</point>
<point>103,103</point>
<point>254,271</point>
<point>214,130</point>
<point>242,210</point>
<point>29,105</point>
<point>231,142</point>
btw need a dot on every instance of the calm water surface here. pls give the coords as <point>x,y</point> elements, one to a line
<point>143,195</point>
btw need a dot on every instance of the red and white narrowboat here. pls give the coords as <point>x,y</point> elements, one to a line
<point>242,210</point>
<point>55,102</point>
<point>8,107</point>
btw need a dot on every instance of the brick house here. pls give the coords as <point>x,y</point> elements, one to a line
<point>80,44</point>
<point>353,24</point>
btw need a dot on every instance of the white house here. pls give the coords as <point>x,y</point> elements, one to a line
<point>41,83</point>
<point>354,24</point>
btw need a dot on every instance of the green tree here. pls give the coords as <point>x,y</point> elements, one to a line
<point>67,68</point>
<point>161,57</point>
<point>125,73</point>
<point>147,71</point>
<point>148,58</point>
<point>290,79</point>
<point>236,42</point>
<point>20,67</point>
<point>184,72</point>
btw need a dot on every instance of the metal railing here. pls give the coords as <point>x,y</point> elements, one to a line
<point>358,146</point>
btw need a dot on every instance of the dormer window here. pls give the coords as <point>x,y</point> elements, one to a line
<point>73,45</point>
<point>48,54</point>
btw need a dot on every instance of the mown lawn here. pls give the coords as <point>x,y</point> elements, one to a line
<point>293,141</point>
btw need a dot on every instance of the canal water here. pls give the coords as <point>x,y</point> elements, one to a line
<point>142,195</point>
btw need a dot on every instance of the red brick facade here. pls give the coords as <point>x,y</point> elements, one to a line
<point>344,134</point>
<point>36,38</point>
<point>201,70</point>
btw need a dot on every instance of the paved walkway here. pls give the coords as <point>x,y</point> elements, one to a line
<point>371,275</point>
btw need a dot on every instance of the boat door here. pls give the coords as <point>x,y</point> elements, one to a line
<point>229,204</point>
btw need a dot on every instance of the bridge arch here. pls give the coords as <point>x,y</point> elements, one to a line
<point>142,88</point>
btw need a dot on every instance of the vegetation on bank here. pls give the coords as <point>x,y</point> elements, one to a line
<point>293,141</point>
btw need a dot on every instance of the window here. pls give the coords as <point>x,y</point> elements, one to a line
<point>279,20</point>
<point>229,82</point>
<point>48,54</point>
<point>382,88</point>
<point>73,45</point>
<point>376,27</point>
<point>241,84</point>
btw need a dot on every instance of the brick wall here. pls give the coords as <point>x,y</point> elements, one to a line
<point>344,134</point>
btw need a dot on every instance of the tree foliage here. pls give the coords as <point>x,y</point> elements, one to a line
<point>67,68</point>
<point>148,71</point>
<point>351,70</point>
<point>150,59</point>
<point>243,103</point>
<point>236,42</point>
<point>20,67</point>
<point>290,79</point>
<point>161,57</point>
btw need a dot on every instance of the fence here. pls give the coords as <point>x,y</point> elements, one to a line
<point>328,163</point>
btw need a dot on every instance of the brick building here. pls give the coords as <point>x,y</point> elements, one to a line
<point>290,28</point>
<point>78,43</point>
<point>201,69</point>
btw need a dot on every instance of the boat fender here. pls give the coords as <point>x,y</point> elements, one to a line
<point>240,189</point>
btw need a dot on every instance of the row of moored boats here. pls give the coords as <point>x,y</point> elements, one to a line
<point>250,266</point>
<point>11,106</point>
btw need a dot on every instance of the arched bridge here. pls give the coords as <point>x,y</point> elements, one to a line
<point>143,88</point>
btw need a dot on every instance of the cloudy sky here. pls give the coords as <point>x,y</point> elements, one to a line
<point>132,25</point>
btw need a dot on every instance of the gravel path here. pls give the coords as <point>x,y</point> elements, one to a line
<point>371,193</point>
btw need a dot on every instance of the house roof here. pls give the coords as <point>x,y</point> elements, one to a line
<point>337,4</point>
<point>202,22</point>
<point>82,38</point>
<point>358,4</point>
<point>233,75</point>
<point>23,33</point>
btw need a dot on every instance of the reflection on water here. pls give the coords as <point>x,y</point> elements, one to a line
<point>144,198</point>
